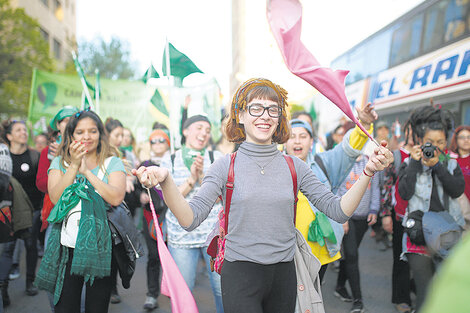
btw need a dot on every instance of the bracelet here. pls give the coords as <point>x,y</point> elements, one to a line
<point>364,172</point>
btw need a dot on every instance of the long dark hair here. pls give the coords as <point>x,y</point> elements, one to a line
<point>428,118</point>
<point>103,150</point>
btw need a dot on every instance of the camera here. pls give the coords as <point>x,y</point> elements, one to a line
<point>428,150</point>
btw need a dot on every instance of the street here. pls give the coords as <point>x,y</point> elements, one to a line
<point>375,265</point>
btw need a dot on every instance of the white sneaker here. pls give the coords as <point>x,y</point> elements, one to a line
<point>150,303</point>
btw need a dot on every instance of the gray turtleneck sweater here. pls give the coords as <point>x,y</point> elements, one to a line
<point>261,219</point>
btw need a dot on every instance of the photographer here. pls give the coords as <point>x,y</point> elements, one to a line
<point>431,182</point>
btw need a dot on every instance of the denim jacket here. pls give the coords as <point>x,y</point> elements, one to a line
<point>338,164</point>
<point>421,198</point>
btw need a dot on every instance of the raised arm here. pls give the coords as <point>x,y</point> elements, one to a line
<point>378,161</point>
<point>58,181</point>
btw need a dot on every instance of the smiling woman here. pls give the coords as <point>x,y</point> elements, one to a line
<point>261,237</point>
<point>84,247</point>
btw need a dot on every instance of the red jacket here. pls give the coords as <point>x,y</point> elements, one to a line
<point>401,205</point>
<point>43,166</point>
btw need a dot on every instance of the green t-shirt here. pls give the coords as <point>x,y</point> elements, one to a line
<point>115,165</point>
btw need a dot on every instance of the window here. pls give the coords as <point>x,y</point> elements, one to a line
<point>455,19</point>
<point>434,27</point>
<point>406,41</point>
<point>57,49</point>
<point>44,34</point>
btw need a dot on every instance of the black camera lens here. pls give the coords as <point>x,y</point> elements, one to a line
<point>428,150</point>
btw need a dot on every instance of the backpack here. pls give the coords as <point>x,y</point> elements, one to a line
<point>216,248</point>
<point>127,247</point>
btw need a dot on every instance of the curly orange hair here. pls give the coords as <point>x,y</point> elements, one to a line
<point>257,88</point>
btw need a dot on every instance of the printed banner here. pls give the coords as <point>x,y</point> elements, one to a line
<point>135,104</point>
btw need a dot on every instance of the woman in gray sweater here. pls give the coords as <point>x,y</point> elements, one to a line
<point>258,273</point>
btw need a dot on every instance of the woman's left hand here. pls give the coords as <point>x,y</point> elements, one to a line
<point>380,159</point>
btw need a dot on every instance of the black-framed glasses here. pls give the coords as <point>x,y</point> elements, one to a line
<point>157,140</point>
<point>257,110</point>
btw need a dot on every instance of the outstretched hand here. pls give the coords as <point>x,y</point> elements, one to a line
<point>150,176</point>
<point>380,159</point>
<point>367,115</point>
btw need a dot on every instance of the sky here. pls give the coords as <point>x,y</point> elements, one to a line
<point>202,29</point>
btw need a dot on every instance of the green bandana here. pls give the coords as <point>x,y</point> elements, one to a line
<point>92,253</point>
<point>126,148</point>
<point>190,154</point>
<point>444,157</point>
<point>320,228</point>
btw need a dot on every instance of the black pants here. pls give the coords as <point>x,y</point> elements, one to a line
<point>400,269</point>
<point>97,295</point>
<point>423,270</point>
<point>30,242</point>
<point>254,288</point>
<point>153,264</point>
<point>349,264</point>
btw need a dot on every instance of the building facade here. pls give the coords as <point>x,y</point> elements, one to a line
<point>57,20</point>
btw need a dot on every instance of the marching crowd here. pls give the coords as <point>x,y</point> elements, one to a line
<point>411,189</point>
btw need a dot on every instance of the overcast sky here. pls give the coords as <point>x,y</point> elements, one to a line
<point>202,29</point>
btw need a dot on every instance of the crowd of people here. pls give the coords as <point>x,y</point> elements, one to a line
<point>58,194</point>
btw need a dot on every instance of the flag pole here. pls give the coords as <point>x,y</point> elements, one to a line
<point>82,79</point>
<point>168,74</point>
<point>97,91</point>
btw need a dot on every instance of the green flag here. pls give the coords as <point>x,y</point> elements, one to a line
<point>313,112</point>
<point>180,65</point>
<point>151,72</point>
<point>85,84</point>
<point>158,103</point>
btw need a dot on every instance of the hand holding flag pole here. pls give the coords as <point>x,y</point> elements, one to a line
<point>285,20</point>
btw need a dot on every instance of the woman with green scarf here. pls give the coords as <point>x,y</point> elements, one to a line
<point>84,257</point>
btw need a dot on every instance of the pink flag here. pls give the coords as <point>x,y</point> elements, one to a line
<point>173,284</point>
<point>285,19</point>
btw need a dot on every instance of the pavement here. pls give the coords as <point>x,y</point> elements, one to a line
<point>375,267</point>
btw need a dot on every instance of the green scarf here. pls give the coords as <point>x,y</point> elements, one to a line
<point>92,253</point>
<point>126,148</point>
<point>320,228</point>
<point>189,155</point>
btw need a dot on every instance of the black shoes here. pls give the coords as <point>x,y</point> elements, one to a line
<point>357,307</point>
<point>343,294</point>
<point>31,290</point>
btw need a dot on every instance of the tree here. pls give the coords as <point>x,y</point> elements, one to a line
<point>111,58</point>
<point>22,48</point>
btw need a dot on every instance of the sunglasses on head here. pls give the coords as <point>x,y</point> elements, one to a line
<point>158,140</point>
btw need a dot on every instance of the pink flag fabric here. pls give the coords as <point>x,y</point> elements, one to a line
<point>173,284</point>
<point>285,19</point>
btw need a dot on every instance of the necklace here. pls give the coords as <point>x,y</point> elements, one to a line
<point>262,167</point>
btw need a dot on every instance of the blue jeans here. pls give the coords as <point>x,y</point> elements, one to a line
<point>187,260</point>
